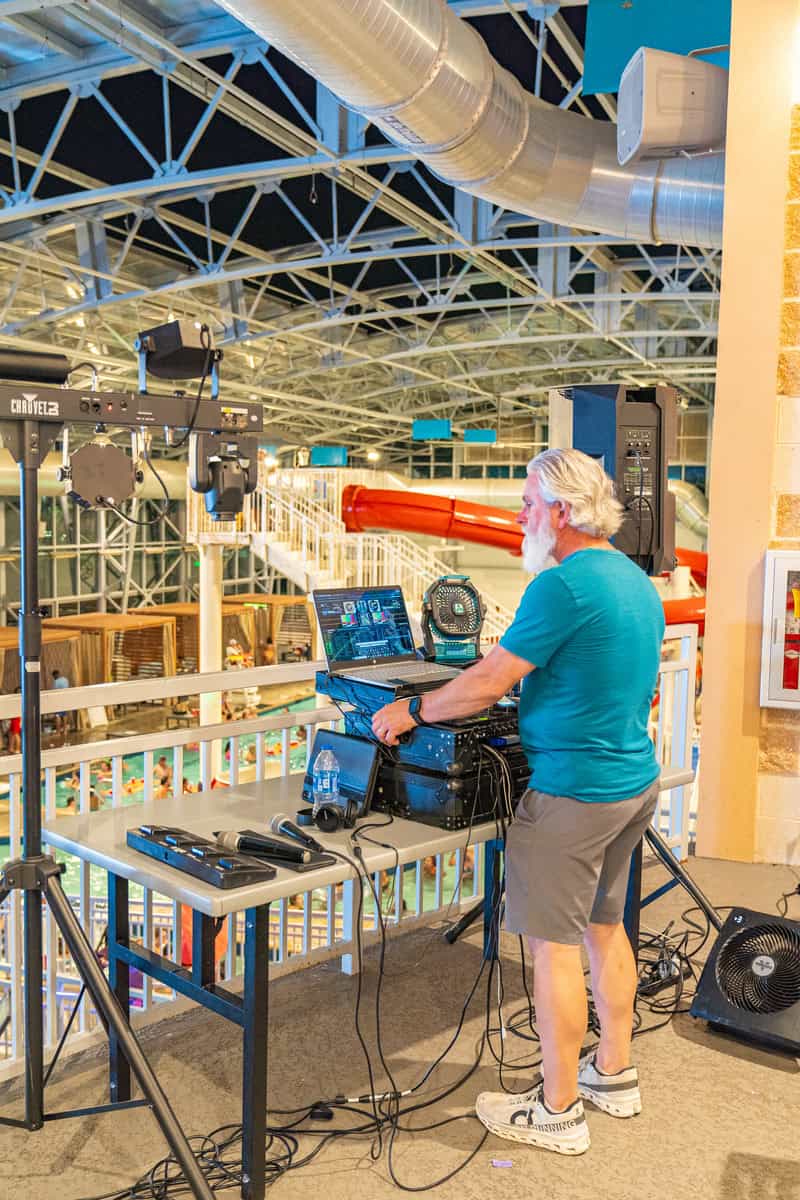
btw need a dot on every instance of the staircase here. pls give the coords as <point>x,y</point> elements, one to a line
<point>293,521</point>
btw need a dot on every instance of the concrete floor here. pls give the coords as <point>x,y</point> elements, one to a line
<point>719,1119</point>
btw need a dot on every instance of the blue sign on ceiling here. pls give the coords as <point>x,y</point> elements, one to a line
<point>615,29</point>
<point>431,431</point>
<point>486,436</point>
<point>329,456</point>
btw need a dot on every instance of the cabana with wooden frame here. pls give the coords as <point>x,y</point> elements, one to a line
<point>60,652</point>
<point>116,647</point>
<point>289,620</point>
<point>238,623</point>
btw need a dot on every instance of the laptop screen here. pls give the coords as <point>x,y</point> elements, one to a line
<point>360,626</point>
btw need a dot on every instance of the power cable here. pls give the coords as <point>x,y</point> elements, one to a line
<point>205,340</point>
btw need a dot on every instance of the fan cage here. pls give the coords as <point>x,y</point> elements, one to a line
<point>743,986</point>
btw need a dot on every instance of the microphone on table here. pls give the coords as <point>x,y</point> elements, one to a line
<point>281,823</point>
<point>250,842</point>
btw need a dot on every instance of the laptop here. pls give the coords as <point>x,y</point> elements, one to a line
<point>358,761</point>
<point>367,638</point>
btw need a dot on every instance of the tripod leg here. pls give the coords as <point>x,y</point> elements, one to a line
<point>487,907</point>
<point>469,918</point>
<point>34,1033</point>
<point>633,900</point>
<point>254,1083</point>
<point>684,879</point>
<point>107,1003</point>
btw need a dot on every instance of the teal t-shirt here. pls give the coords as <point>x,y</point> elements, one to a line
<point>593,627</point>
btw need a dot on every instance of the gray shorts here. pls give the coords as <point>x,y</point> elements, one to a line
<point>567,862</point>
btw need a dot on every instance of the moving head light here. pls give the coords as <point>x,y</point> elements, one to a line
<point>224,467</point>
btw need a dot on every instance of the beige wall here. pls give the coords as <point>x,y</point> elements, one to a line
<point>777,834</point>
<point>750,760</point>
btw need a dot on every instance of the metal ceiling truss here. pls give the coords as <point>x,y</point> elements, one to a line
<point>398,297</point>
<point>98,560</point>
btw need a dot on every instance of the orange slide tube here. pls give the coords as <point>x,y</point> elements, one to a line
<point>367,509</point>
<point>696,561</point>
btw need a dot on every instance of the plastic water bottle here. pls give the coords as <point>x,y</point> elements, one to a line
<point>325,780</point>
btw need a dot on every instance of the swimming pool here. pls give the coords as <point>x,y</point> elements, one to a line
<point>133,769</point>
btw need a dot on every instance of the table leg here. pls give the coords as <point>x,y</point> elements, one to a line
<point>254,1091</point>
<point>491,896</point>
<point>203,972</point>
<point>119,978</point>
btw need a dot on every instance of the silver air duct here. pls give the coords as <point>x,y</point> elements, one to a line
<point>428,81</point>
<point>691,506</point>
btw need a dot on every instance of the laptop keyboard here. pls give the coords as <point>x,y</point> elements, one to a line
<point>403,673</point>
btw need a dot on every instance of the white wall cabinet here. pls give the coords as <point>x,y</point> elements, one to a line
<point>780,646</point>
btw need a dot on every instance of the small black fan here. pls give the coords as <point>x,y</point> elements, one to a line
<point>759,969</point>
<point>750,985</point>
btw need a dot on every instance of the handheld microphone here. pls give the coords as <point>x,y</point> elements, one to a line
<point>281,823</point>
<point>250,842</point>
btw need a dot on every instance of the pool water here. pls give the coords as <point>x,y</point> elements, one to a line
<point>133,764</point>
<point>133,769</point>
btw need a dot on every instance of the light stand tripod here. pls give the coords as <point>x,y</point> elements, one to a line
<point>30,421</point>
<point>38,875</point>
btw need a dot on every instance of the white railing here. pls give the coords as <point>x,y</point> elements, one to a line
<point>672,732</point>
<point>299,512</point>
<point>300,933</point>
<point>325,487</point>
<point>294,520</point>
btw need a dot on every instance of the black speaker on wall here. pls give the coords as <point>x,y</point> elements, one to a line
<point>750,986</point>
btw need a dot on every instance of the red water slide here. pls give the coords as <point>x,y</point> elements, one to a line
<point>367,509</point>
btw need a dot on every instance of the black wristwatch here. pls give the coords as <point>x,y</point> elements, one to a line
<point>414,706</point>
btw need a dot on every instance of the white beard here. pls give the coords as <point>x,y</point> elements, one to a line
<point>537,551</point>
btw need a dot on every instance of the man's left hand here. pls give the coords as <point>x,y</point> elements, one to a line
<point>391,721</point>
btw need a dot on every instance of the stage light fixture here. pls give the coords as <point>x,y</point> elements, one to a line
<point>100,475</point>
<point>223,467</point>
<point>34,367</point>
<point>177,350</point>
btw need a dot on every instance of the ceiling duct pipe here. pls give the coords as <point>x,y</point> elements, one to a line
<point>426,79</point>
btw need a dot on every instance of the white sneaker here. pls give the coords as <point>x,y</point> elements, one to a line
<point>618,1095</point>
<point>525,1118</point>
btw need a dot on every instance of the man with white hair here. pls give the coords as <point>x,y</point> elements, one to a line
<point>586,642</point>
